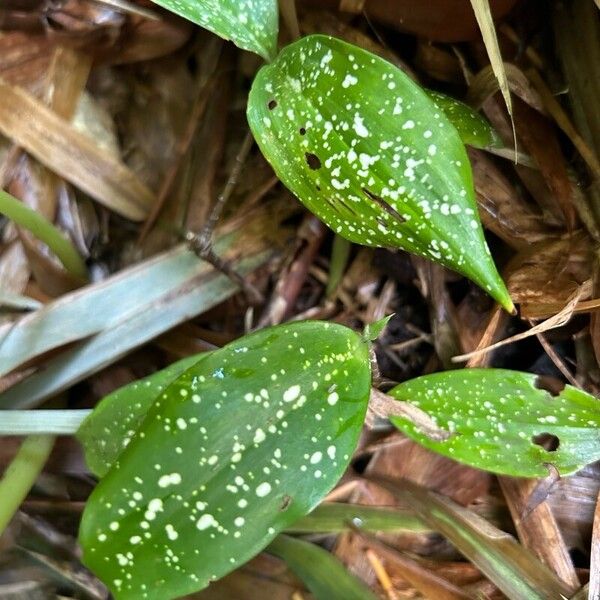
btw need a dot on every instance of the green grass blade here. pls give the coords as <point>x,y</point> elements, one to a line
<point>44,231</point>
<point>323,574</point>
<point>335,517</point>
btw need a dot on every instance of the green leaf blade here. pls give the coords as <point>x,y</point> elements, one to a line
<point>106,432</point>
<point>323,574</point>
<point>333,517</point>
<point>367,151</point>
<point>496,418</point>
<point>236,449</point>
<point>250,24</point>
<point>472,128</point>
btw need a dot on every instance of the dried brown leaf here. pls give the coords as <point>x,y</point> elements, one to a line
<point>594,589</point>
<point>502,208</point>
<point>68,153</point>
<point>538,137</point>
<point>557,320</point>
<point>548,273</point>
<point>484,85</point>
<point>538,530</point>
<point>511,567</point>
<point>420,578</point>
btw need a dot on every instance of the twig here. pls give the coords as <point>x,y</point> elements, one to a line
<point>310,236</point>
<point>201,243</point>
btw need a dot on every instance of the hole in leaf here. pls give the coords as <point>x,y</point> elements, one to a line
<point>302,131</point>
<point>312,160</point>
<point>286,501</point>
<point>548,441</point>
<point>272,104</point>
<point>551,385</point>
<point>383,204</point>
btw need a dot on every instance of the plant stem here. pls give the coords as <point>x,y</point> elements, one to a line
<point>339,260</point>
<point>45,231</point>
<point>26,422</point>
<point>21,474</point>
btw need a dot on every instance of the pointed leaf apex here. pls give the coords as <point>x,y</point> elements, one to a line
<point>373,330</point>
<point>371,154</point>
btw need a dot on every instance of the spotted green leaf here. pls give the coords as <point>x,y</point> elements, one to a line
<point>322,573</point>
<point>250,24</point>
<point>237,448</point>
<point>110,427</point>
<point>501,422</point>
<point>472,128</point>
<point>368,152</point>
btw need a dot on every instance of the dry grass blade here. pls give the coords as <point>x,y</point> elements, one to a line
<point>70,319</point>
<point>188,288</point>
<point>290,17</point>
<point>514,570</point>
<point>564,122</point>
<point>594,589</point>
<point>73,156</point>
<point>195,296</point>
<point>130,7</point>
<point>558,320</point>
<point>425,581</point>
<point>484,85</point>
<point>485,21</point>
<point>538,530</point>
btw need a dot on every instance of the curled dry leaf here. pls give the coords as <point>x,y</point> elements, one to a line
<point>543,277</point>
<point>503,209</point>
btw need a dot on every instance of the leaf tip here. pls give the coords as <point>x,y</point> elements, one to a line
<point>373,330</point>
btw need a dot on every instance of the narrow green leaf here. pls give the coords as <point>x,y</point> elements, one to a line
<point>106,432</point>
<point>250,24</point>
<point>497,420</point>
<point>236,449</point>
<point>334,517</point>
<point>473,129</point>
<point>513,569</point>
<point>47,232</point>
<point>485,20</point>
<point>368,152</point>
<point>322,573</point>
<point>374,330</point>
<point>340,254</point>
